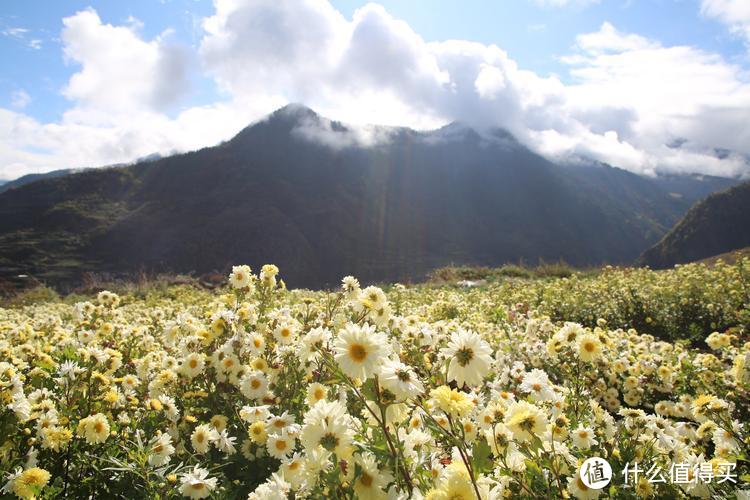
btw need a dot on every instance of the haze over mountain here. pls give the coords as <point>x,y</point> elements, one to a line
<point>718,224</point>
<point>323,200</point>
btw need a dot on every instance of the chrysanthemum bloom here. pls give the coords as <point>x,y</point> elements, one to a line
<point>240,277</point>
<point>315,392</point>
<point>312,342</point>
<point>254,385</point>
<point>285,332</point>
<point>252,414</point>
<point>706,403</point>
<point>583,438</point>
<point>455,483</point>
<point>197,484</point>
<point>525,420</point>
<point>350,287</point>
<point>580,490</point>
<point>55,438</point>
<point>536,382</point>
<point>280,445</point>
<point>192,365</point>
<point>371,482</point>
<point>94,428</point>
<point>470,358</point>
<point>161,450</point>
<point>327,425</point>
<point>589,347</point>
<point>451,401</point>
<point>498,437</point>
<point>257,432</point>
<point>293,470</point>
<point>30,482</point>
<point>359,351</point>
<point>372,298</point>
<point>202,437</point>
<point>400,379</point>
<point>268,275</point>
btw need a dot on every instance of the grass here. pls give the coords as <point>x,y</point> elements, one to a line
<point>543,270</point>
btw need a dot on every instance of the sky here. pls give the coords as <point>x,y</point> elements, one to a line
<point>646,85</point>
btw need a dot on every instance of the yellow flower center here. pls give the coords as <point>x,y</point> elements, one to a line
<point>358,352</point>
<point>365,479</point>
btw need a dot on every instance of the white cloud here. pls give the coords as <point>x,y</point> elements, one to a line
<point>120,71</point>
<point>608,39</point>
<point>652,95</point>
<point>15,32</point>
<point>119,97</point>
<point>20,34</point>
<point>733,13</point>
<point>20,99</point>
<point>631,96</point>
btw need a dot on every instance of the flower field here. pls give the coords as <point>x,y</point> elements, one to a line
<point>437,392</point>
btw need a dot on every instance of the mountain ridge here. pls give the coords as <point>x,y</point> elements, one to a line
<point>322,200</point>
<point>714,225</point>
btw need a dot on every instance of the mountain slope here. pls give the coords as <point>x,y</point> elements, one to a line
<point>718,224</point>
<point>29,178</point>
<point>323,200</point>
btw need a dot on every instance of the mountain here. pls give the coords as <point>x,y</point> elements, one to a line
<point>322,199</point>
<point>26,179</point>
<point>715,225</point>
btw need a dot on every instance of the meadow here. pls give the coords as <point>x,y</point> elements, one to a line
<point>497,387</point>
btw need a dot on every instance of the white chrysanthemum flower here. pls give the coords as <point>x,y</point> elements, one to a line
<point>193,365</point>
<point>240,277</point>
<point>536,382</point>
<point>579,490</point>
<point>226,443</point>
<point>470,358</point>
<point>280,445</point>
<point>315,392</point>
<point>372,298</point>
<point>359,351</point>
<point>327,425</point>
<point>285,332</point>
<point>350,287</point>
<point>312,342</point>
<point>161,450</point>
<point>197,484</point>
<point>251,414</point>
<point>400,379</point>
<point>202,437</point>
<point>371,482</point>
<point>589,347</point>
<point>583,438</point>
<point>293,470</point>
<point>254,385</point>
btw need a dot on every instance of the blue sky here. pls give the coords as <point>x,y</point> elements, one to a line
<point>544,38</point>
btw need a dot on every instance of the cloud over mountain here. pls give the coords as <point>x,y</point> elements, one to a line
<point>628,100</point>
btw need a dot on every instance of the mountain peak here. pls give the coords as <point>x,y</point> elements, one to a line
<point>295,111</point>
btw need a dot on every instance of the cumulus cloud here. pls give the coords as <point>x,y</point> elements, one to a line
<point>120,96</point>
<point>733,13</point>
<point>119,70</point>
<point>632,102</point>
